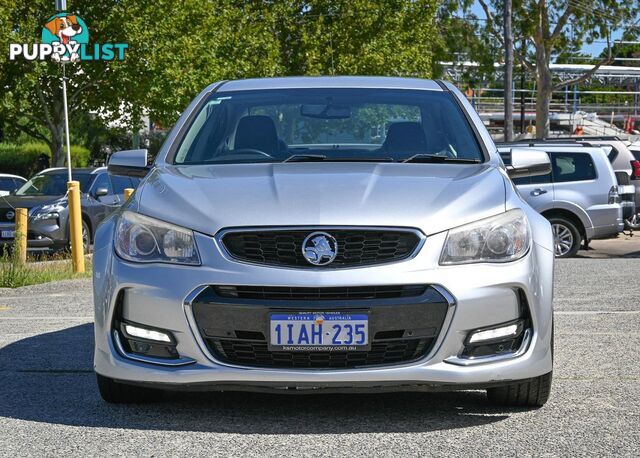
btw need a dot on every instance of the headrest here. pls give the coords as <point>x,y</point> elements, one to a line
<point>257,132</point>
<point>405,137</point>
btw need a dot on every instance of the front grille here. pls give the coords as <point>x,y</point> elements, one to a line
<point>257,354</point>
<point>404,322</point>
<point>356,247</point>
<point>310,294</point>
<point>3,215</point>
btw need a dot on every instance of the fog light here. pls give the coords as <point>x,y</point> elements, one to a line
<point>148,334</point>
<point>510,330</point>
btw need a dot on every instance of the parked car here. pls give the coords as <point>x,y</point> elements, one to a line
<point>579,196</point>
<point>9,183</point>
<point>634,221</point>
<point>626,168</point>
<point>44,195</point>
<point>281,241</point>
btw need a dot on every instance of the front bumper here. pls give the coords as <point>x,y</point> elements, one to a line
<point>479,295</point>
<point>43,235</point>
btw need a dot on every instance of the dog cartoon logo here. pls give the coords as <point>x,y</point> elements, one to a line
<point>68,30</point>
<point>319,248</point>
<point>65,38</point>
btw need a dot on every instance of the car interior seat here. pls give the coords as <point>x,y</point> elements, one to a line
<point>405,137</point>
<point>257,132</point>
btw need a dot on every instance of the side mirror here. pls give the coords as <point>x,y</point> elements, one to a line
<point>101,192</point>
<point>131,163</point>
<point>526,162</point>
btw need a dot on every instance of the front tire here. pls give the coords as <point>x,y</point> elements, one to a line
<point>119,393</point>
<point>531,393</point>
<point>86,237</point>
<point>567,238</point>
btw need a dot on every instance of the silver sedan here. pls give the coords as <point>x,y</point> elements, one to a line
<point>330,233</point>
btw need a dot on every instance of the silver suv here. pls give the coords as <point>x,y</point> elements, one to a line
<point>579,196</point>
<point>339,233</point>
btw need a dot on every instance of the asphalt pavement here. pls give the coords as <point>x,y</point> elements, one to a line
<point>49,403</point>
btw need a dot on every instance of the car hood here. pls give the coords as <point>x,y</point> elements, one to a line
<point>431,197</point>
<point>27,201</point>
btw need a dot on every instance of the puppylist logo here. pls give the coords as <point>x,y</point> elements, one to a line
<point>65,38</point>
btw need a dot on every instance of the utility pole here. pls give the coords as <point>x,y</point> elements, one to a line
<point>523,50</point>
<point>522,101</point>
<point>508,73</point>
<point>73,187</point>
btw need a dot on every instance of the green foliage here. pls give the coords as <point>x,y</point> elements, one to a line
<point>629,51</point>
<point>547,30</point>
<point>361,37</point>
<point>32,100</point>
<point>23,159</point>
<point>178,48</point>
<point>464,39</point>
<point>15,275</point>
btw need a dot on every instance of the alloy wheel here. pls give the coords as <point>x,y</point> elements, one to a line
<point>633,222</point>
<point>563,239</point>
<point>85,237</point>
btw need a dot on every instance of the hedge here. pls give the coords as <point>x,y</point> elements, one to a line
<point>23,159</point>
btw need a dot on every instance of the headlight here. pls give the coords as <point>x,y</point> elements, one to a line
<point>51,211</point>
<point>143,239</point>
<point>501,238</point>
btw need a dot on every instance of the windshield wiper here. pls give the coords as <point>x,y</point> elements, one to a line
<point>322,157</point>
<point>305,158</point>
<point>434,158</point>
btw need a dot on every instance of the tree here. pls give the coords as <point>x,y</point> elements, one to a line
<point>242,39</point>
<point>358,37</point>
<point>628,52</point>
<point>552,27</point>
<point>31,101</point>
<point>178,48</point>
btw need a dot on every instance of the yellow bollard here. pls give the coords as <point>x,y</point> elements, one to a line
<point>21,236</point>
<point>75,222</point>
<point>127,193</point>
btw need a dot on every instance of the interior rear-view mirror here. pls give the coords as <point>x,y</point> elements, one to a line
<point>327,111</point>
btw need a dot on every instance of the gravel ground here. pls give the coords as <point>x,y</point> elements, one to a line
<point>49,404</point>
<point>625,245</point>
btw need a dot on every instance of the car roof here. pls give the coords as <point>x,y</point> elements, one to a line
<point>83,170</point>
<point>305,82</point>
<point>9,175</point>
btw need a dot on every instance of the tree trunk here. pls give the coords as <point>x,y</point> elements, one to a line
<point>544,84</point>
<point>57,146</point>
<point>544,79</point>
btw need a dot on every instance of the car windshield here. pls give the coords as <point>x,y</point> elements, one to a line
<point>52,184</point>
<point>326,124</point>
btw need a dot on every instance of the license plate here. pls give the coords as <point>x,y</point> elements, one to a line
<point>313,331</point>
<point>8,234</point>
